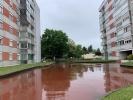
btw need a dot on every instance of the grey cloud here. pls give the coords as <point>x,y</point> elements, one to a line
<point>78,18</point>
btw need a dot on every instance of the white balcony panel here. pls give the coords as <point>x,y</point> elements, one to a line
<point>125,47</point>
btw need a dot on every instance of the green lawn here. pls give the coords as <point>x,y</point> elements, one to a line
<point>85,61</point>
<point>122,94</point>
<point>94,61</point>
<point>128,64</point>
<point>18,68</point>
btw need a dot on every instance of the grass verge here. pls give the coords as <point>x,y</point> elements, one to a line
<point>127,64</point>
<point>122,94</point>
<point>94,61</point>
<point>85,61</point>
<point>14,69</point>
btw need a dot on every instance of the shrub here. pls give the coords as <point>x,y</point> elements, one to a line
<point>130,57</point>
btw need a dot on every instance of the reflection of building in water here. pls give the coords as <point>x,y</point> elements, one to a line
<point>117,77</point>
<point>25,86</point>
<point>56,81</point>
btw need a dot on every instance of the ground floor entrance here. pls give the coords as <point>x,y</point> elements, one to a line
<point>125,54</point>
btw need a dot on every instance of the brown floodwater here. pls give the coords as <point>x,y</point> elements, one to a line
<point>66,82</point>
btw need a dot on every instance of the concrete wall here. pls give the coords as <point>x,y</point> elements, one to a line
<point>37,35</point>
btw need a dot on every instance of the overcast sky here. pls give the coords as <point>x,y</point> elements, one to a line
<point>78,18</point>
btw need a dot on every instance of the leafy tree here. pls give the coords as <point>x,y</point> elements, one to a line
<point>71,51</point>
<point>78,51</point>
<point>90,49</point>
<point>54,44</point>
<point>75,51</point>
<point>98,52</point>
<point>85,51</point>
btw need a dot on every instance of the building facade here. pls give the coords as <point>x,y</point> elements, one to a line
<point>18,32</point>
<point>37,35</point>
<point>116,28</point>
<point>9,30</point>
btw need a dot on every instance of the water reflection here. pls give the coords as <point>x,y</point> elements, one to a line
<point>25,86</point>
<point>83,82</point>
<point>66,82</point>
<point>116,77</point>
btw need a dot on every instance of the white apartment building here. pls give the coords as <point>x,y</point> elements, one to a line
<point>116,28</point>
<point>9,33</point>
<point>19,32</point>
<point>30,49</point>
<point>37,57</point>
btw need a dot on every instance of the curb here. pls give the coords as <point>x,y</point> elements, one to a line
<point>24,70</point>
<point>116,90</point>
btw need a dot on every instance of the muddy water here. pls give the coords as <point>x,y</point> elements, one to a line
<point>66,82</point>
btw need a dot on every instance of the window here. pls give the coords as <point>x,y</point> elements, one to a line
<point>11,3</point>
<point>11,43</point>
<point>114,53</point>
<point>10,56</point>
<point>112,26</point>
<point>1,9</point>
<point>126,18</point>
<point>122,42</point>
<point>18,56</point>
<point>0,40</point>
<point>0,56</point>
<point>126,29</point>
<point>17,44</point>
<point>128,41</point>
<point>1,24</point>
<point>11,17</point>
<point>10,29</point>
<point>109,1</point>
<point>23,45</point>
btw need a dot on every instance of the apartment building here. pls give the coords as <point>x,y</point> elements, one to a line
<point>29,32</point>
<point>116,28</point>
<point>9,37</point>
<point>19,31</point>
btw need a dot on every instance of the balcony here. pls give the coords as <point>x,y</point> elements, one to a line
<point>125,47</point>
<point>23,4</point>
<point>1,47</point>
<point>31,51</point>
<point>102,27</point>
<point>104,43</point>
<point>103,36</point>
<point>32,22</point>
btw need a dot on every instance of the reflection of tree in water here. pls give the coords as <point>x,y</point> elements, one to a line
<point>56,80</point>
<point>24,86</point>
<point>117,77</point>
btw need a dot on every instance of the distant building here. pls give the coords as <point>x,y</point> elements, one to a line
<point>90,56</point>
<point>116,28</point>
<point>19,32</point>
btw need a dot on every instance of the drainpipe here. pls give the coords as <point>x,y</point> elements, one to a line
<point>130,15</point>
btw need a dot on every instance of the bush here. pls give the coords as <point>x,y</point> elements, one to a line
<point>130,57</point>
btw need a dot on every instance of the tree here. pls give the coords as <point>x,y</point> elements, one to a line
<point>98,52</point>
<point>85,51</point>
<point>54,44</point>
<point>90,49</point>
<point>75,51</point>
<point>78,51</point>
<point>71,51</point>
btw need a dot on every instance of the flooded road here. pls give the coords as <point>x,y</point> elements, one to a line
<point>66,82</point>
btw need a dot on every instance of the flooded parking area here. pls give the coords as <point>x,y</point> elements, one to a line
<point>66,82</point>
